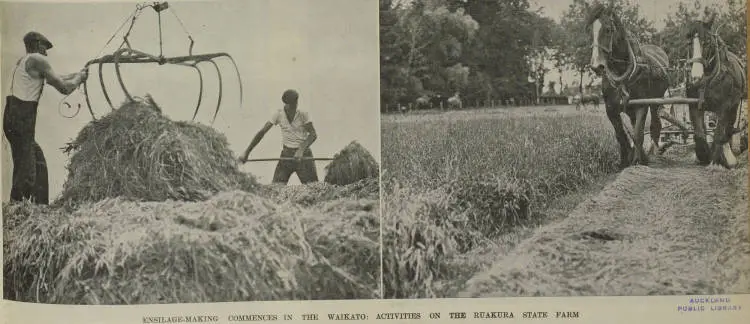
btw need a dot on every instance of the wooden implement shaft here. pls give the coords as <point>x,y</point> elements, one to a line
<point>663,101</point>
<point>288,159</point>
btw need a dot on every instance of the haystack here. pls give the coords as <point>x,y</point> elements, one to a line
<point>137,153</point>
<point>235,246</point>
<point>351,164</point>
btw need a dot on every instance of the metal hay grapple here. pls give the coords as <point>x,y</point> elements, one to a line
<point>125,54</point>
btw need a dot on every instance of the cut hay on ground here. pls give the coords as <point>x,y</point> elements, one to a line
<point>137,153</point>
<point>651,232</point>
<point>352,164</point>
<point>313,193</point>
<point>236,246</point>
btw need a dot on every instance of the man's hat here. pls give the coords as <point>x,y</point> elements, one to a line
<point>34,36</point>
<point>289,97</point>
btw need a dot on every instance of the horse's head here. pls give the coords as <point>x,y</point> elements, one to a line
<point>703,44</point>
<point>607,33</point>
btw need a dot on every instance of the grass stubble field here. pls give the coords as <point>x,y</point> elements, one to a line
<point>529,202</point>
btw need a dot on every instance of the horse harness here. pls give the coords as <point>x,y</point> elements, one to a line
<point>637,65</point>
<point>720,48</point>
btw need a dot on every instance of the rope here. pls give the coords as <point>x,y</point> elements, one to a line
<point>184,29</point>
<point>116,31</point>
<point>174,13</point>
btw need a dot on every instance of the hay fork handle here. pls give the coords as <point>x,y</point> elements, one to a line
<point>289,159</point>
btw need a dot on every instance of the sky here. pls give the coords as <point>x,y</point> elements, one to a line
<point>326,49</point>
<point>654,10</point>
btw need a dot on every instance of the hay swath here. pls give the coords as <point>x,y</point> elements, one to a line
<point>125,54</point>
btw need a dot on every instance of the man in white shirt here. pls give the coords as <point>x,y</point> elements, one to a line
<point>19,119</point>
<point>297,133</point>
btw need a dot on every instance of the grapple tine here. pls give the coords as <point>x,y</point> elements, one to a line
<point>239,78</point>
<point>218,71</point>
<point>221,87</point>
<point>104,88</point>
<point>117,55</point>
<point>200,91</point>
<point>86,96</point>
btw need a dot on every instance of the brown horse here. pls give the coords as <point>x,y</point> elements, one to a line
<point>718,77</point>
<point>629,70</point>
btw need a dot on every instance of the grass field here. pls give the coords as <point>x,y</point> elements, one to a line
<point>459,184</point>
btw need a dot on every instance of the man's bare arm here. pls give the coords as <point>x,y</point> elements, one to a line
<point>69,77</point>
<point>311,137</point>
<point>40,64</point>
<point>256,140</point>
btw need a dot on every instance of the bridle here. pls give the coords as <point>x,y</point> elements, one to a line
<point>718,45</point>
<point>619,81</point>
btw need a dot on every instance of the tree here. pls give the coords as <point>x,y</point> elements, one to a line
<point>501,54</point>
<point>730,22</point>
<point>422,45</point>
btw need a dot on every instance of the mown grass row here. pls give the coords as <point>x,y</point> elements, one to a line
<point>451,185</point>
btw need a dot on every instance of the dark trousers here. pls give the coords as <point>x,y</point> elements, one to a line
<point>30,178</point>
<point>305,169</point>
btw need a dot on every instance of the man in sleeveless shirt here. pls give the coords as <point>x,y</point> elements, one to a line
<point>19,119</point>
<point>297,134</point>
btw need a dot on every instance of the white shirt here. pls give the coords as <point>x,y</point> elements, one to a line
<point>292,134</point>
<point>24,86</point>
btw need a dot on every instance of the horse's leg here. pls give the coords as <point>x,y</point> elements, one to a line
<point>735,136</point>
<point>613,114</point>
<point>697,118</point>
<point>655,127</point>
<point>722,152</point>
<point>640,156</point>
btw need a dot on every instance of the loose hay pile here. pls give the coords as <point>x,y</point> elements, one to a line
<point>352,164</point>
<point>156,211</point>
<point>236,246</point>
<point>138,153</point>
<point>651,232</point>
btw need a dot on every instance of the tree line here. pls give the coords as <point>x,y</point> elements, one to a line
<point>502,50</point>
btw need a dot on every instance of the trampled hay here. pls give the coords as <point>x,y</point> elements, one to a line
<point>236,246</point>
<point>313,193</point>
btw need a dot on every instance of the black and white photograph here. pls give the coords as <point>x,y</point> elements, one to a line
<point>555,148</point>
<point>172,152</point>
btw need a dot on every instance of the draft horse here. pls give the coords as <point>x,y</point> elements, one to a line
<point>629,70</point>
<point>717,76</point>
